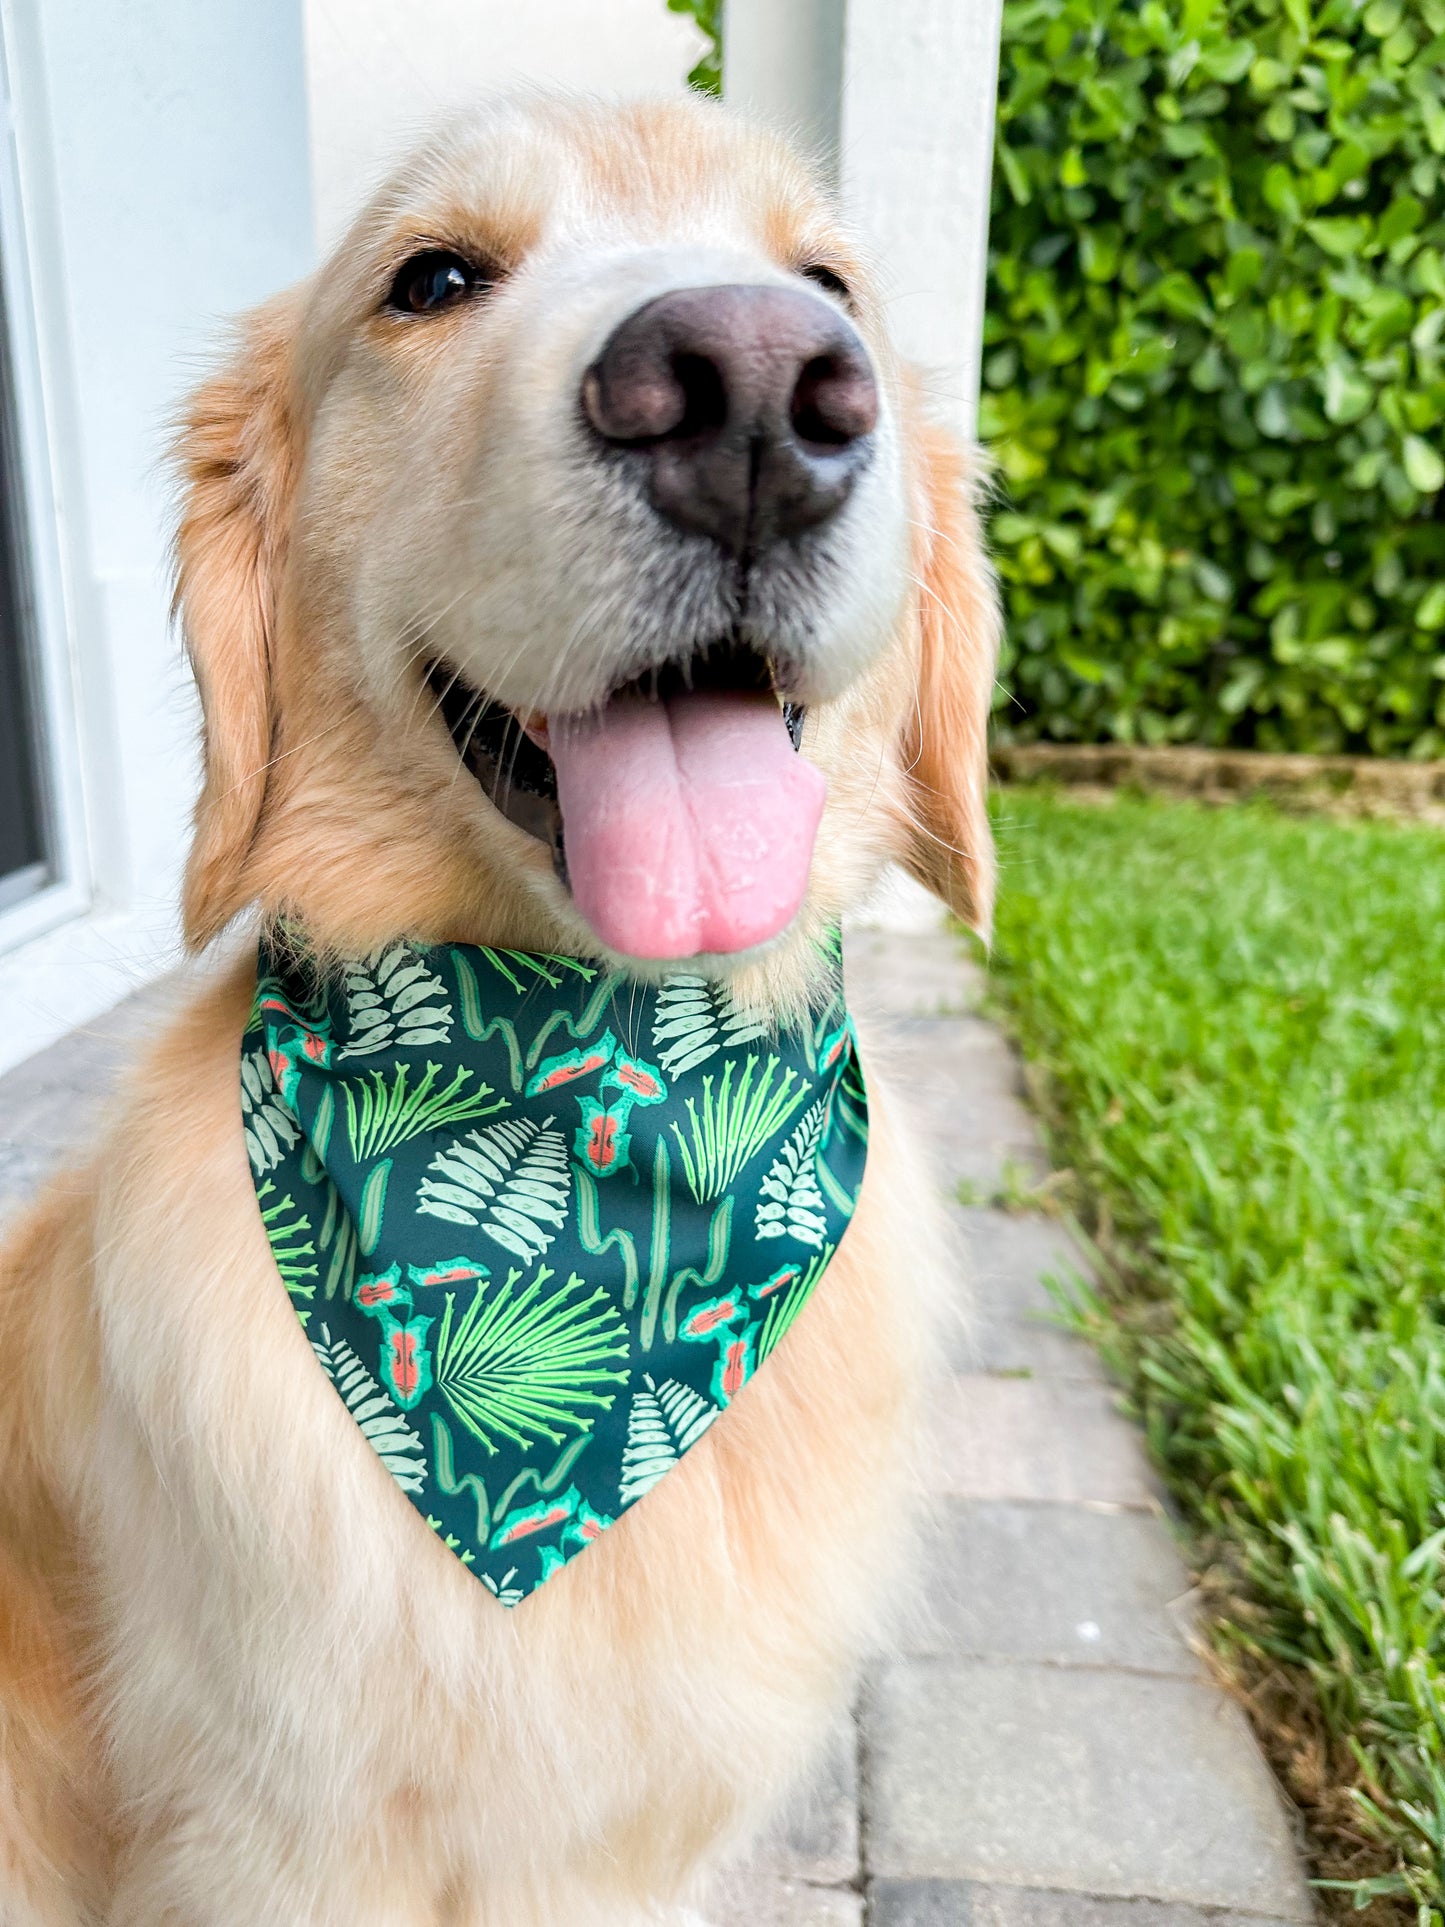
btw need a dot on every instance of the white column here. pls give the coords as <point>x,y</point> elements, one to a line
<point>783,60</point>
<point>919,86</point>
<point>911,107</point>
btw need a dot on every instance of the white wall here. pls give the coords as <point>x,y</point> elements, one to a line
<point>163,173</point>
<point>381,70</point>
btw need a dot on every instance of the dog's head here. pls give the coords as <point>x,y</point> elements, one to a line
<point>565,565</point>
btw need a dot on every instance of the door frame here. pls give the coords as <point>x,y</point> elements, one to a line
<point>47,637</point>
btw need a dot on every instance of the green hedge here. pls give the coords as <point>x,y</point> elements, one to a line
<point>1214,372</point>
<point>1214,378</point>
<point>706,76</point>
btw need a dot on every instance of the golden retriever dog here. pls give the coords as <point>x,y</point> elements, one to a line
<point>588,432</point>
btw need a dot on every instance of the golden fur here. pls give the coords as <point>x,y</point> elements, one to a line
<point>240,1682</point>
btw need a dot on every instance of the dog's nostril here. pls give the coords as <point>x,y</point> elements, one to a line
<point>634,401</point>
<point>705,389</point>
<point>835,402</point>
<point>642,407</point>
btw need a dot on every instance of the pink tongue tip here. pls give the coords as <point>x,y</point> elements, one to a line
<point>689,823</point>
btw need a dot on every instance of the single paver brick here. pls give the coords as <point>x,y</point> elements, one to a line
<point>764,1900</point>
<point>964,1094</point>
<point>1028,1347</point>
<point>1010,1323</point>
<point>1013,1323</point>
<point>1108,1783</point>
<point>1015,1250</point>
<point>1057,1584</point>
<point>1028,1438</point>
<point>954,1903</point>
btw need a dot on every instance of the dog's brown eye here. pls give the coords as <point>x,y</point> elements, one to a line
<point>824,278</point>
<point>434,280</point>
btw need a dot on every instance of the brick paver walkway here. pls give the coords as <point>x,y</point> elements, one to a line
<point>1044,1749</point>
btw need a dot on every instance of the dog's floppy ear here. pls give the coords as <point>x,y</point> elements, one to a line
<point>237,456</point>
<point>946,750</point>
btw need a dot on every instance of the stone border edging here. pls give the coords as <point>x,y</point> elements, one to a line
<point>1340,785</point>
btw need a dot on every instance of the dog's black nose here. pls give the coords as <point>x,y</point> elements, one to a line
<point>753,409</point>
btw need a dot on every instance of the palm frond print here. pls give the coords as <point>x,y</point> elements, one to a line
<point>382,1114</point>
<point>523,968</point>
<point>268,1126</point>
<point>733,1122</point>
<point>292,1241</point>
<point>382,1425</point>
<point>664,1421</point>
<point>529,1362</point>
<point>791,1205</point>
<point>395,1000</point>
<point>694,1019</point>
<point>512,1179</point>
<point>785,1304</point>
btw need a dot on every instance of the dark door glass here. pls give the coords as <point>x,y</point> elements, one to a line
<point>22,843</point>
<point>23,853</point>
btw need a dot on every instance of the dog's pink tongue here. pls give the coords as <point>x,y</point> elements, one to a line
<point>689,823</point>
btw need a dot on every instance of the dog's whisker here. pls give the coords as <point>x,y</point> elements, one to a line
<point>281,755</point>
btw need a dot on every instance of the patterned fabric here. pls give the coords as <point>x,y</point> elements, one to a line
<point>541,1222</point>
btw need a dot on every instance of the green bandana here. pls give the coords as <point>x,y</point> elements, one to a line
<point>541,1222</point>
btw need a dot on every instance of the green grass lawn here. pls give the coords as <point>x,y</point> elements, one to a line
<point>1240,1021</point>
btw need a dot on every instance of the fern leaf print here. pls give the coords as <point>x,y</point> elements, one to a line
<point>791,1203</point>
<point>695,1019</point>
<point>293,1244</point>
<point>733,1121</point>
<point>382,1426</point>
<point>664,1422</point>
<point>397,1000</point>
<point>512,1180</point>
<point>268,1127</point>
<point>785,1294</point>
<point>382,1112</point>
<point>541,1223</point>
<point>522,969</point>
